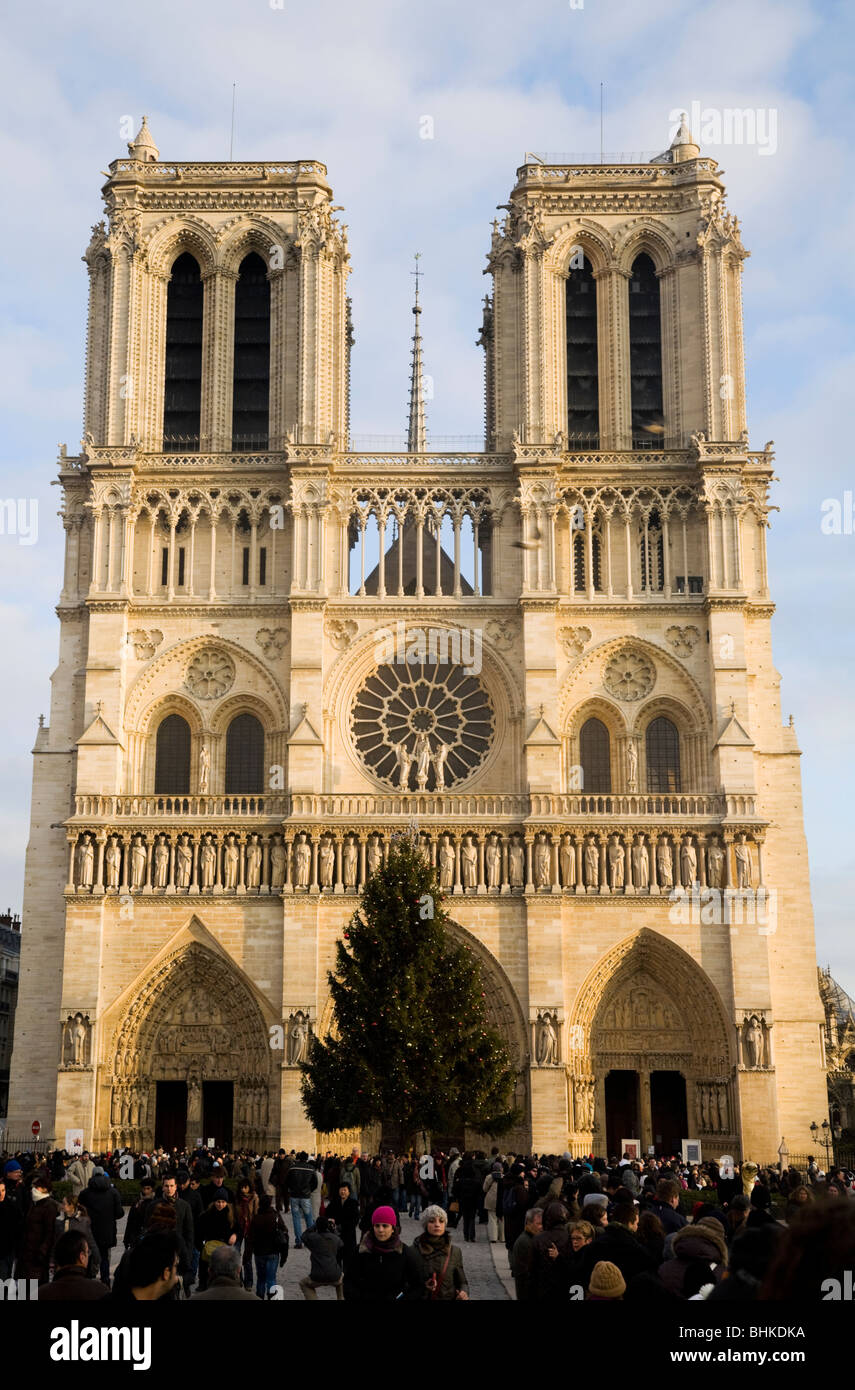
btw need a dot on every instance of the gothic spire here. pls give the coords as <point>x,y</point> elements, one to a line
<point>416,431</point>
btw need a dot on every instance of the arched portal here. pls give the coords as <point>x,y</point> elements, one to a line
<point>652,1058</point>
<point>190,1049</point>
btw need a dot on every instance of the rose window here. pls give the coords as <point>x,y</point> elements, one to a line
<point>422,727</point>
<point>210,674</point>
<point>629,676</point>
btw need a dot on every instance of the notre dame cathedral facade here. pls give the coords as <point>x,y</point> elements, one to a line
<point>550,660</point>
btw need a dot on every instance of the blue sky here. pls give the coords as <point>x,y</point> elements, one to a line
<point>349,85</point>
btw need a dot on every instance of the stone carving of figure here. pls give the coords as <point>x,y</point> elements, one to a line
<point>515,863</point>
<point>204,769</point>
<point>546,1048</point>
<point>302,860</point>
<point>664,864</point>
<point>640,864</point>
<point>208,862</point>
<point>161,862</point>
<point>326,862</point>
<point>705,1109</point>
<point>299,1035</point>
<point>253,862</point>
<point>688,862</point>
<point>230,862</point>
<point>754,1041</point>
<point>138,862</point>
<point>586,1106</point>
<point>743,863</point>
<point>421,753</point>
<point>183,862</point>
<point>567,860</point>
<point>86,862</point>
<point>277,863</point>
<point>721,1100</point>
<point>423,849</point>
<point>715,864</point>
<point>375,854</point>
<point>469,863</point>
<point>404,762</point>
<point>641,1016</point>
<point>542,855</point>
<point>631,766</point>
<point>617,864</point>
<point>349,862</point>
<point>592,864</point>
<point>113,861</point>
<point>446,863</point>
<point>78,1041</point>
<point>439,758</point>
<point>194,1097</point>
<point>493,858</point>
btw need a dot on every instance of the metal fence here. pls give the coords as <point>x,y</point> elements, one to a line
<point>10,1144</point>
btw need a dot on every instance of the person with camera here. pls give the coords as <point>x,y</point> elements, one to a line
<point>436,1264</point>
<point>325,1247</point>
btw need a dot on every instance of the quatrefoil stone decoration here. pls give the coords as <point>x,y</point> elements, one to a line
<point>629,676</point>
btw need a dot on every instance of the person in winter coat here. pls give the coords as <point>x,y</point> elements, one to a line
<point>71,1281</point>
<point>515,1203</point>
<point>37,1233</point>
<point>666,1205</point>
<point>619,1244</point>
<point>216,1225</point>
<point>379,1272</point>
<point>350,1174</point>
<point>301,1182</point>
<point>436,1264</point>
<point>246,1207</point>
<point>264,1235</point>
<point>224,1279</point>
<point>343,1209</point>
<point>73,1217</point>
<point>80,1173</point>
<point>492,1188</point>
<point>11,1220</point>
<point>466,1189</point>
<point>698,1257</point>
<point>138,1213</point>
<point>551,1257</point>
<point>104,1207</point>
<point>326,1247</point>
<point>522,1255</point>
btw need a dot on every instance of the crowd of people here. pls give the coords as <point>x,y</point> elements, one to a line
<point>214,1226</point>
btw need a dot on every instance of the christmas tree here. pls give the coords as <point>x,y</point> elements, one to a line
<point>410,1045</point>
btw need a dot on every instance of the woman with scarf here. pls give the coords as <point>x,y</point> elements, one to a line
<point>379,1272</point>
<point>216,1226</point>
<point>246,1207</point>
<point>436,1264</point>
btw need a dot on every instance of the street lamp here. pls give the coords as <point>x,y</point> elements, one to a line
<point>822,1134</point>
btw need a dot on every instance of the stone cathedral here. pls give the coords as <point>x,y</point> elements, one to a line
<point>550,661</point>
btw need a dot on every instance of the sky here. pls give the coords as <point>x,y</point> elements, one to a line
<point>352,86</point>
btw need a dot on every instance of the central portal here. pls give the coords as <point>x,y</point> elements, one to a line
<point>217,1112</point>
<point>622,1121</point>
<point>668,1110</point>
<point>170,1123</point>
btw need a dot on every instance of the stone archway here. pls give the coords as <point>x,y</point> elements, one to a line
<point>194,1022</point>
<point>650,1021</point>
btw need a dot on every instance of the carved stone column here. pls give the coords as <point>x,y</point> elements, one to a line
<point>605,890</point>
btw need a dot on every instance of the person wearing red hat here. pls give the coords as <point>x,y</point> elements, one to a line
<point>380,1271</point>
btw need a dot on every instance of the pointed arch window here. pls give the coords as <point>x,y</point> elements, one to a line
<point>182,398</point>
<point>583,392</point>
<point>245,755</point>
<point>251,386</point>
<point>595,757</point>
<point>645,355</point>
<point>172,757</point>
<point>580,568</point>
<point>663,756</point>
<point>652,554</point>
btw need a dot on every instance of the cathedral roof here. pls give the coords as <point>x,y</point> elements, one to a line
<point>835,998</point>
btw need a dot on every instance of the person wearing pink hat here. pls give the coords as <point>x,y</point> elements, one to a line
<point>380,1271</point>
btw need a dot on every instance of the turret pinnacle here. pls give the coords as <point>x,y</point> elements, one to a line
<point>417,432</point>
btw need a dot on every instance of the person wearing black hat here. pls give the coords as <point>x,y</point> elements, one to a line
<point>217,1185</point>
<point>138,1213</point>
<point>10,1229</point>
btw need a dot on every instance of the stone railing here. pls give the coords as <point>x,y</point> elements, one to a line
<point>159,807</point>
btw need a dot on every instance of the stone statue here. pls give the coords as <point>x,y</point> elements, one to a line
<point>705,1109</point>
<point>542,856</point>
<point>421,752</point>
<point>208,862</point>
<point>592,864</point>
<point>78,1041</point>
<point>277,863</point>
<point>446,863</point>
<point>139,858</point>
<point>640,864</point>
<point>404,763</point>
<point>664,864</point>
<point>375,854</point>
<point>743,863</point>
<point>302,861</point>
<point>715,865</point>
<point>546,1042</point>
<point>113,861</point>
<point>567,861</point>
<point>253,862</point>
<point>439,758</point>
<point>721,1100</point>
<point>326,862</point>
<point>230,863</point>
<point>423,849</point>
<point>86,862</point>
<point>183,862</point>
<point>754,1041</point>
<point>631,766</point>
<point>204,769</point>
<point>469,863</point>
<point>349,862</point>
<point>299,1037</point>
<point>688,863</point>
<point>617,864</point>
<point>516,863</point>
<point>493,859</point>
<point>161,862</point>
